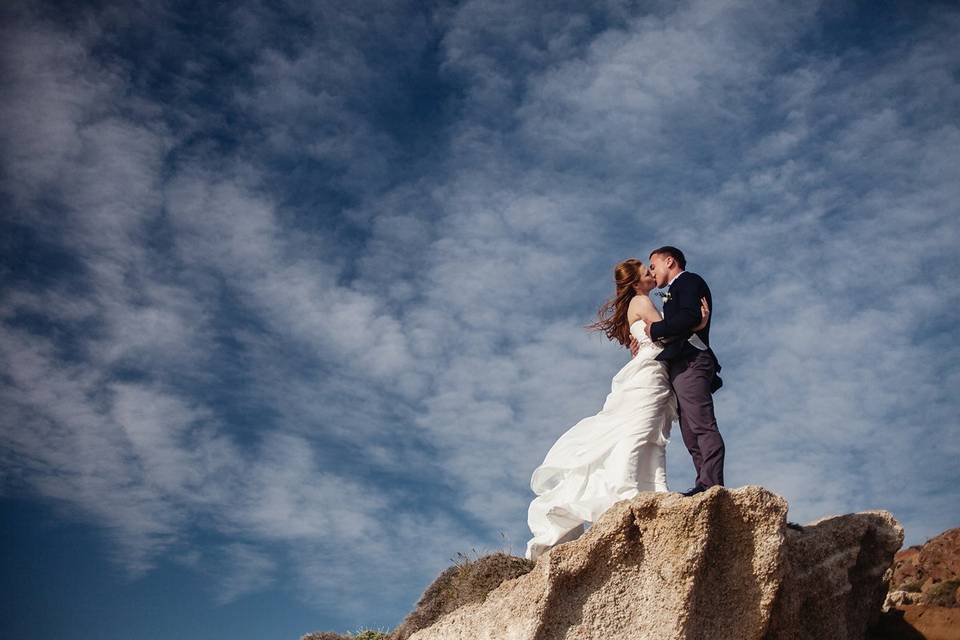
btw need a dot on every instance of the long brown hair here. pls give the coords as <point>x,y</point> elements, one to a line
<point>612,315</point>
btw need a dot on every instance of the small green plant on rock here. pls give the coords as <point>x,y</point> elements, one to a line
<point>943,594</point>
<point>912,587</point>
<point>359,634</point>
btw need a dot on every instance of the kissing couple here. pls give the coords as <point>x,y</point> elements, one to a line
<point>621,451</point>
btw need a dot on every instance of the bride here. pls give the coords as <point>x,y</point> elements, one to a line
<point>617,453</point>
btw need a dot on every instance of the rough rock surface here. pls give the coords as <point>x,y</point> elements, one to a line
<point>928,573</point>
<point>720,565</point>
<point>834,584</point>
<point>924,597</point>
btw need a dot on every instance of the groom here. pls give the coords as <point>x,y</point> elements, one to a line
<point>691,363</point>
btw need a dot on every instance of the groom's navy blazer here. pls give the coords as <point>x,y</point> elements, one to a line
<point>681,313</point>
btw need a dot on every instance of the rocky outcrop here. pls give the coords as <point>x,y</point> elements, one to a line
<point>928,574</point>
<point>720,565</point>
<point>924,597</point>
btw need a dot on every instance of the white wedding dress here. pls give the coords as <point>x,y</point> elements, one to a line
<point>608,457</point>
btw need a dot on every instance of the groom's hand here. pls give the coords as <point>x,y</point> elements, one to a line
<point>646,330</point>
<point>634,346</point>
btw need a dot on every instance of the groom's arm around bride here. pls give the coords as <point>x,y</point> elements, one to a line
<point>681,313</point>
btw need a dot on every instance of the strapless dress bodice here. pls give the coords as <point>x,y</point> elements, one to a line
<point>637,331</point>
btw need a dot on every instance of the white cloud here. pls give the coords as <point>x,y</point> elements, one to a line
<point>246,570</point>
<point>349,390</point>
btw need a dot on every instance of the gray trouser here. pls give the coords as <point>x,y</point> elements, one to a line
<point>691,382</point>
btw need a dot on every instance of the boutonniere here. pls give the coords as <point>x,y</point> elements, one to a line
<point>664,295</point>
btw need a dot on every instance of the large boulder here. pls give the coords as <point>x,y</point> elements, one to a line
<point>720,565</point>
<point>834,581</point>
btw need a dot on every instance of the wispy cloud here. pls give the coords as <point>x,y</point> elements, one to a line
<point>247,570</point>
<point>330,313</point>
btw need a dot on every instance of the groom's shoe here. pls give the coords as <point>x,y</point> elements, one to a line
<point>699,488</point>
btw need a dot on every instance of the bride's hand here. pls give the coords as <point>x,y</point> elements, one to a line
<point>705,312</point>
<point>634,346</point>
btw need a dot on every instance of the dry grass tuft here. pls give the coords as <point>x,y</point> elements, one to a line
<point>365,634</point>
<point>467,580</point>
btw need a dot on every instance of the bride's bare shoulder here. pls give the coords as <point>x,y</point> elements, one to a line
<point>635,303</point>
<point>642,308</point>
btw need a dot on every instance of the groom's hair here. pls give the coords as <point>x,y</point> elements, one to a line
<point>674,253</point>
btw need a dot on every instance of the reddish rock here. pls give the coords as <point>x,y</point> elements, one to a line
<point>924,598</point>
<point>928,574</point>
<point>933,623</point>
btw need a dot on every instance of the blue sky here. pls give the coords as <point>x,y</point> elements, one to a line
<point>292,295</point>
